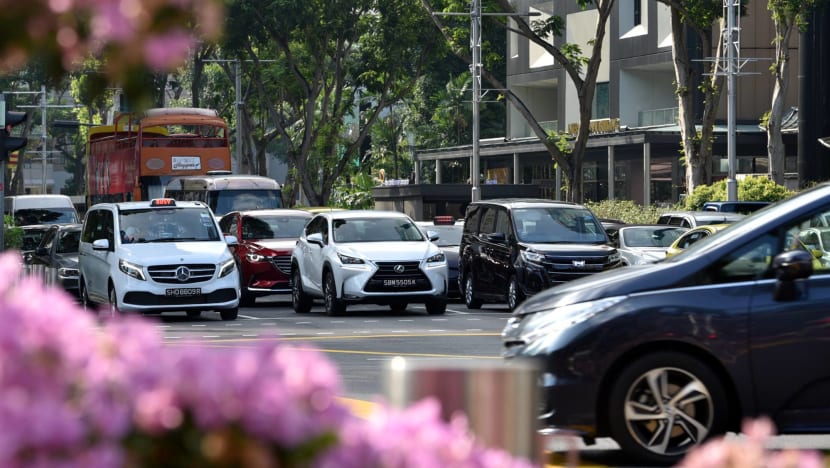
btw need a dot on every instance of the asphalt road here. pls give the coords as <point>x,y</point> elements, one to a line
<point>363,342</point>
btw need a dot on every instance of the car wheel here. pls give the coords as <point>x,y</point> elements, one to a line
<point>469,288</point>
<point>398,306</point>
<point>229,314</point>
<point>436,307</point>
<point>514,293</point>
<point>194,313</point>
<point>85,302</point>
<point>299,299</point>
<point>334,306</point>
<point>113,299</point>
<point>664,404</point>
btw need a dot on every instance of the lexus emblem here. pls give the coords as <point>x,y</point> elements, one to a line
<point>579,263</point>
<point>182,274</point>
<point>399,269</point>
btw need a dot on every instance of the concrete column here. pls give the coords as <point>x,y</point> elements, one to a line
<point>610,172</point>
<point>417,171</point>
<point>646,174</point>
<point>437,171</point>
<point>516,177</point>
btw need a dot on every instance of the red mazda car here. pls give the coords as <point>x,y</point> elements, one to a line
<point>266,240</point>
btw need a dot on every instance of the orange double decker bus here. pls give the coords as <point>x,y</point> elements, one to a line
<point>135,157</point>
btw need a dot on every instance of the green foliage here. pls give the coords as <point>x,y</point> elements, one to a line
<point>749,189</point>
<point>625,210</point>
<point>13,236</point>
<point>354,196</point>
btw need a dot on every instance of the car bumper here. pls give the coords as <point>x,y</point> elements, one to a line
<point>149,296</point>
<point>363,283</point>
<point>264,278</point>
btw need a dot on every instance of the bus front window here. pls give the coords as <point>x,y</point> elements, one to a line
<point>239,200</point>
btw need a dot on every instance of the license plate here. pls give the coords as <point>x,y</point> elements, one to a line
<point>183,292</point>
<point>398,283</point>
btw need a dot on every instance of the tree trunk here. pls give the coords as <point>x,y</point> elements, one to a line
<point>776,152</point>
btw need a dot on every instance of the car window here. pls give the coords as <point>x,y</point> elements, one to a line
<point>68,242</point>
<point>167,225</point>
<point>472,218</point>
<point>558,224</point>
<point>503,222</point>
<point>376,230</point>
<point>488,220</point>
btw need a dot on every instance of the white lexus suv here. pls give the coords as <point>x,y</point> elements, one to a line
<point>377,257</point>
<point>157,256</point>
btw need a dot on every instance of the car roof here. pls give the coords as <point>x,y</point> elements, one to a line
<point>352,214</point>
<point>140,205</point>
<point>274,212</point>
<point>523,202</point>
<point>705,215</point>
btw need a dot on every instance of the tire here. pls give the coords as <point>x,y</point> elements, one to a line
<point>469,289</point>
<point>334,306</point>
<point>246,299</point>
<point>436,307</point>
<point>113,301</point>
<point>299,299</point>
<point>515,296</point>
<point>637,420</point>
<point>194,313</point>
<point>85,302</point>
<point>398,307</point>
<point>229,314</point>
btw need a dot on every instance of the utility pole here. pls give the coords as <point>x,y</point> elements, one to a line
<point>475,15</point>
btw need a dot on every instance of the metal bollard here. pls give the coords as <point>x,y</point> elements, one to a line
<point>499,398</point>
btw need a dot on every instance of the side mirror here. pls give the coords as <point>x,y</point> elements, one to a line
<point>433,236</point>
<point>42,251</point>
<point>232,241</point>
<point>497,237</point>
<point>788,267</point>
<point>101,244</point>
<point>315,238</point>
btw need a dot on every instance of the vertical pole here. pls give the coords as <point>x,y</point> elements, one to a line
<point>43,138</point>
<point>732,42</point>
<point>475,43</point>
<point>238,86</point>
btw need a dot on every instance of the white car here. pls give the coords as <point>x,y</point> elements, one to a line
<point>378,257</point>
<point>157,256</point>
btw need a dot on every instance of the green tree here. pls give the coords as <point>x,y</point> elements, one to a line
<point>333,61</point>
<point>787,17</point>
<point>693,20</point>
<point>582,69</point>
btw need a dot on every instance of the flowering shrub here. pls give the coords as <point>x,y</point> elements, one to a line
<point>750,451</point>
<point>74,392</point>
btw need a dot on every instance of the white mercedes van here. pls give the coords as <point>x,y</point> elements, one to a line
<point>157,256</point>
<point>27,210</point>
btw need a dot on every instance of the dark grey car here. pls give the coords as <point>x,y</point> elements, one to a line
<point>56,257</point>
<point>662,357</point>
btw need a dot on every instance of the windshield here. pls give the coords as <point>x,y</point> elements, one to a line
<point>225,201</point>
<point>659,236</point>
<point>376,230</point>
<point>558,225</point>
<point>29,216</point>
<point>167,225</point>
<point>273,227</point>
<point>68,242</point>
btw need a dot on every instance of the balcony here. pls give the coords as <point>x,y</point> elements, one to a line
<point>651,117</point>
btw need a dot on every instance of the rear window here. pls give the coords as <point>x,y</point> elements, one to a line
<point>29,216</point>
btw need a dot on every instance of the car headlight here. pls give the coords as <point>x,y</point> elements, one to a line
<point>349,260</point>
<point>255,257</point>
<point>532,256</point>
<point>437,258</point>
<point>227,268</point>
<point>131,269</point>
<point>550,323</point>
<point>614,258</point>
<point>68,273</point>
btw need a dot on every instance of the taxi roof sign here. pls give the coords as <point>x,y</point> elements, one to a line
<point>163,202</point>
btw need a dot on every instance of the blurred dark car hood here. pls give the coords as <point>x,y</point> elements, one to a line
<point>617,282</point>
<point>67,260</point>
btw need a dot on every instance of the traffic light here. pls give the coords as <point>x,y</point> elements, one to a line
<point>10,143</point>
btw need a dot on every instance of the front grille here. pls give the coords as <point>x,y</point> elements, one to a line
<point>561,268</point>
<point>281,263</point>
<point>166,274</point>
<point>386,279</point>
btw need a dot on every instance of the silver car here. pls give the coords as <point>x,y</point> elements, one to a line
<point>379,257</point>
<point>640,244</point>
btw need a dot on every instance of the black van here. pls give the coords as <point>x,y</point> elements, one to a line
<point>514,248</point>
